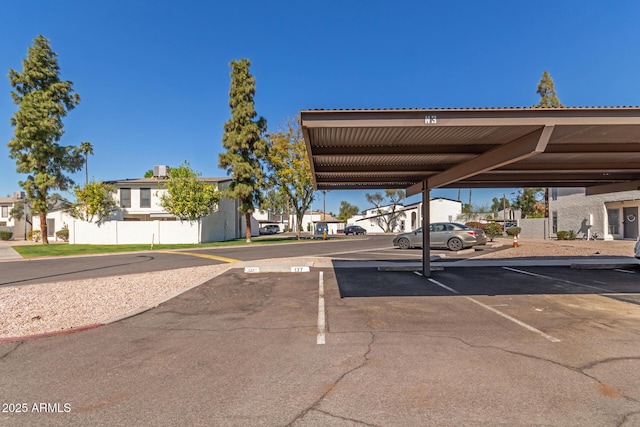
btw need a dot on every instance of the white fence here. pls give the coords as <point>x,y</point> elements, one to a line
<point>131,232</point>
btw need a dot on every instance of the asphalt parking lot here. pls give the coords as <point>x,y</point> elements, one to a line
<point>345,344</point>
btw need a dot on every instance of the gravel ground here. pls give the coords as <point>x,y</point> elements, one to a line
<point>54,307</point>
<point>562,248</point>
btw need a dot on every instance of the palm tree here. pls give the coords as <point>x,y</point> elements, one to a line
<point>86,148</point>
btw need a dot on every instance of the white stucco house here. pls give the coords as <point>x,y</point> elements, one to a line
<point>19,228</point>
<point>140,218</point>
<point>610,216</point>
<point>410,218</point>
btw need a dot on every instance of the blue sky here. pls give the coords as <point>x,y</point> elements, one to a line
<point>153,76</point>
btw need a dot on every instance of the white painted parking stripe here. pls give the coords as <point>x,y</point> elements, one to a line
<point>443,286</point>
<point>542,276</point>
<point>624,271</point>
<point>321,320</point>
<point>499,313</point>
<point>516,321</point>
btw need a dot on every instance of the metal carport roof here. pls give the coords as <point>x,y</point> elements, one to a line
<point>472,148</point>
<point>421,149</point>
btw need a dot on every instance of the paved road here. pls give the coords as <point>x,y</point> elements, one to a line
<point>500,348</point>
<point>71,268</point>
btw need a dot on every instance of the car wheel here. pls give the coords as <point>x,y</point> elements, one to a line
<point>455,244</point>
<point>404,243</point>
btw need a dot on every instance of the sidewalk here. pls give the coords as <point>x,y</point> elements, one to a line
<point>6,250</point>
<point>7,253</point>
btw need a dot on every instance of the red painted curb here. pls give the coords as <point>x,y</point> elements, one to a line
<point>51,334</point>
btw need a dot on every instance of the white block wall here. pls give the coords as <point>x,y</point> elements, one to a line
<point>134,232</point>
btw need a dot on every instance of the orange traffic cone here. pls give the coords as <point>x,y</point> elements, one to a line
<point>515,241</point>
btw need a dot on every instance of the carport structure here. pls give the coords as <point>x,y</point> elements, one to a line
<point>421,149</point>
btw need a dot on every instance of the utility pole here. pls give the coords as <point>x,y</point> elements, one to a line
<point>324,203</point>
<point>504,212</point>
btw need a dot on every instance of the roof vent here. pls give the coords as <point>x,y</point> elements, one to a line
<point>160,171</point>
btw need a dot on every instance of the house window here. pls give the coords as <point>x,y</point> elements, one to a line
<point>145,197</point>
<point>125,197</point>
<point>5,212</point>
<point>554,222</point>
<point>614,220</point>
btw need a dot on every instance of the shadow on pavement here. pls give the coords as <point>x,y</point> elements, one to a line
<point>357,281</point>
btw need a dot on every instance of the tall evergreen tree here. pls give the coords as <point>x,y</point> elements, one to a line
<point>548,97</point>
<point>43,100</point>
<point>243,139</point>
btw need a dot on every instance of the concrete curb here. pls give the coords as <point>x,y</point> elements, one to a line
<point>604,266</point>
<point>407,268</point>
<point>51,334</point>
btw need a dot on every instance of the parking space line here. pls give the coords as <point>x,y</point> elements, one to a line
<point>499,313</point>
<point>516,321</point>
<point>542,276</point>
<point>443,286</point>
<point>624,271</point>
<point>321,319</point>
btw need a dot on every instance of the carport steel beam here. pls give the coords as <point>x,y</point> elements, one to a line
<point>527,146</point>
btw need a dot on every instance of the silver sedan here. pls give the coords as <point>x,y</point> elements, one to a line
<point>449,235</point>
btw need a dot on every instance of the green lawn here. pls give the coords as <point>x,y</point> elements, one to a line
<point>65,249</point>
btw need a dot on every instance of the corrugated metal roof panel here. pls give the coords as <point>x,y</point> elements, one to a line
<point>473,147</point>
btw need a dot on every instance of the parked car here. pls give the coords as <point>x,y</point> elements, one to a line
<point>273,228</point>
<point>269,229</point>
<point>354,229</point>
<point>637,248</point>
<point>449,235</point>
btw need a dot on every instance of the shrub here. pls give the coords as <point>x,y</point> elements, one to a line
<point>475,224</point>
<point>63,234</point>
<point>5,234</point>
<point>493,229</point>
<point>571,235</point>
<point>562,235</point>
<point>34,235</point>
<point>513,231</point>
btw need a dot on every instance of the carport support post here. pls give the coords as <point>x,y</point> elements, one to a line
<point>426,238</point>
